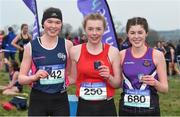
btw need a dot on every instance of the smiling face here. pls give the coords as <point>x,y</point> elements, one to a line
<point>137,31</point>
<point>94,25</point>
<point>24,29</point>
<point>94,30</point>
<point>137,35</point>
<point>52,27</point>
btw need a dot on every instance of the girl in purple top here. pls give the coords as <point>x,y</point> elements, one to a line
<point>144,73</point>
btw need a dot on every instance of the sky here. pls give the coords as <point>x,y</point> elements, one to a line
<point>160,14</point>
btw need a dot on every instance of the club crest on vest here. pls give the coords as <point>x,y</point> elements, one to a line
<point>61,56</point>
<point>147,63</point>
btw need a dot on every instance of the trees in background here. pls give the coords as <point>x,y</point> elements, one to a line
<point>153,37</point>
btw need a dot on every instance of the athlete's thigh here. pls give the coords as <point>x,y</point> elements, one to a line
<point>36,109</point>
<point>108,108</point>
<point>59,105</point>
<point>37,104</point>
<point>87,108</point>
<point>15,89</point>
<point>61,111</point>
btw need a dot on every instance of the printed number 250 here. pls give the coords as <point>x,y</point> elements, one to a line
<point>97,91</point>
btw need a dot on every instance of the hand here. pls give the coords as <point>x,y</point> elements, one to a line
<point>104,72</point>
<point>149,80</point>
<point>6,87</point>
<point>21,49</point>
<point>40,74</point>
<point>5,60</point>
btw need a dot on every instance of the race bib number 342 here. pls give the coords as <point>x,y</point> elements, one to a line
<point>56,75</point>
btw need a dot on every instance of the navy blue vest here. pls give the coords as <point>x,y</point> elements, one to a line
<point>54,62</point>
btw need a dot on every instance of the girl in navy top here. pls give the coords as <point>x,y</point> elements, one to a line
<point>48,56</point>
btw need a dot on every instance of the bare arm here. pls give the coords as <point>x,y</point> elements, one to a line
<point>25,67</point>
<point>73,75</point>
<point>14,79</point>
<point>14,43</point>
<point>69,45</point>
<point>114,79</point>
<point>122,56</point>
<point>161,84</point>
<point>172,55</point>
<point>74,56</point>
<point>30,37</point>
<point>6,61</point>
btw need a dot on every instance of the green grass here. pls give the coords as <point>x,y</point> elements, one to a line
<point>169,103</point>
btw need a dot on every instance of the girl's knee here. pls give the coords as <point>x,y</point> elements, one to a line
<point>5,92</point>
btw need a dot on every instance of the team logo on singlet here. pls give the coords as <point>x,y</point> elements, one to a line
<point>61,56</point>
<point>129,62</point>
<point>39,57</point>
<point>147,63</point>
<point>54,14</point>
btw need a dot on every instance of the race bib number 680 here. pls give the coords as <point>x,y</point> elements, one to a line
<point>137,98</point>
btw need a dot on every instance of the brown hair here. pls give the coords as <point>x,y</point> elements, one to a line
<point>137,21</point>
<point>23,25</point>
<point>94,16</point>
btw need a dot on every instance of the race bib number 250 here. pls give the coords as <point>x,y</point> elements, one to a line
<point>93,91</point>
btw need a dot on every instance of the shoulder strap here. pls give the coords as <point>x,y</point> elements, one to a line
<point>106,48</point>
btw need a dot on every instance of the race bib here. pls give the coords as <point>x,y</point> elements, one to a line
<point>93,91</point>
<point>137,98</point>
<point>56,74</point>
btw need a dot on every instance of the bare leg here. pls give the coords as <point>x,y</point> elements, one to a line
<point>176,69</point>
<point>171,68</point>
<point>11,91</point>
<point>1,60</point>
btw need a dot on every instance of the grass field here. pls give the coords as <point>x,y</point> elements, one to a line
<point>169,103</point>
